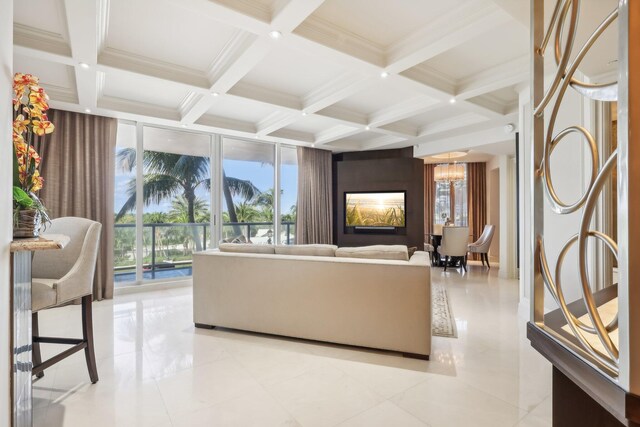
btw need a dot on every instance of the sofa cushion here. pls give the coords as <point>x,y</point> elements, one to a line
<point>247,248</point>
<point>306,250</point>
<point>393,252</point>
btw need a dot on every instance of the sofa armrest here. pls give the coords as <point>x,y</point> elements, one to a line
<point>420,258</point>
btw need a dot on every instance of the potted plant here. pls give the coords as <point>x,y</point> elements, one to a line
<point>30,125</point>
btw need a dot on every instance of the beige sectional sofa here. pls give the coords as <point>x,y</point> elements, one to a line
<point>318,292</point>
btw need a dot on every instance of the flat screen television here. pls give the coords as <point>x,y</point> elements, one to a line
<point>375,209</point>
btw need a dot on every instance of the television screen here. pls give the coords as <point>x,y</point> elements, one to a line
<point>384,209</point>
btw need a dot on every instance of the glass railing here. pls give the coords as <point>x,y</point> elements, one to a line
<point>168,248</point>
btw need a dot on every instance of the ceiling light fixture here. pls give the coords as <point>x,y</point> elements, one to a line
<point>304,113</point>
<point>275,34</point>
<point>87,110</point>
<point>313,145</point>
<point>384,74</point>
<point>184,125</point>
<point>508,128</point>
<point>452,101</point>
<point>367,128</point>
<point>84,65</point>
<point>215,94</point>
<point>449,172</point>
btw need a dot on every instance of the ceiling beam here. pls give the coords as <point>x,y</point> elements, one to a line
<point>451,29</point>
<point>86,25</point>
<point>504,75</point>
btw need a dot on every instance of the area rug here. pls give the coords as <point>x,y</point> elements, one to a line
<point>443,324</point>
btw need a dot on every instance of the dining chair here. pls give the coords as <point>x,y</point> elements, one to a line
<point>455,241</point>
<point>60,277</point>
<point>481,246</point>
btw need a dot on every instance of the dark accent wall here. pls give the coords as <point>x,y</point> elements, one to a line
<point>381,170</point>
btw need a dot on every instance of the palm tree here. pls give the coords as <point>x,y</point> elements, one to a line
<point>168,175</point>
<point>179,210</point>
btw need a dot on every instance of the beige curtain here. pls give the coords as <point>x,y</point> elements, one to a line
<point>78,168</point>
<point>314,222</point>
<point>476,199</point>
<point>429,198</point>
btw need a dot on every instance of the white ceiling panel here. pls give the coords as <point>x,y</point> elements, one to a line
<point>292,72</point>
<point>495,47</point>
<point>161,30</point>
<point>49,73</point>
<point>43,15</point>
<point>376,98</point>
<point>142,90</point>
<point>231,107</point>
<point>382,22</point>
<point>312,124</point>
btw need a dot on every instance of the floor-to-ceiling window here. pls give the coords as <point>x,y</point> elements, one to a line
<point>192,190</point>
<point>176,198</point>
<point>124,237</point>
<point>451,202</point>
<point>248,191</point>
<point>289,194</point>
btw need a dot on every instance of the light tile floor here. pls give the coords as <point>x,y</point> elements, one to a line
<point>156,370</point>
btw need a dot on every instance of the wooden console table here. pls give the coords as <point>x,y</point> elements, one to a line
<point>21,364</point>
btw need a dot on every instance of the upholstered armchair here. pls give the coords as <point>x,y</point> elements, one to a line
<point>60,277</point>
<point>454,245</point>
<point>481,246</point>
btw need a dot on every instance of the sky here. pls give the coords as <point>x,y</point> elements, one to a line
<point>260,174</point>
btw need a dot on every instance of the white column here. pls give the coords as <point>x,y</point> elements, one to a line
<point>6,180</point>
<point>507,218</point>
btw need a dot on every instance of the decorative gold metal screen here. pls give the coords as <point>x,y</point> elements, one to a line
<point>591,338</point>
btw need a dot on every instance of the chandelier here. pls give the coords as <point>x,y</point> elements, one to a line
<point>449,172</point>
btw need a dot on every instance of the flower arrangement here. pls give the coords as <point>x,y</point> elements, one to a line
<point>30,125</point>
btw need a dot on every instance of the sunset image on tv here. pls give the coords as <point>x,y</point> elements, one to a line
<point>375,209</point>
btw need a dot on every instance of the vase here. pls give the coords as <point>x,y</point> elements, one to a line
<point>27,223</point>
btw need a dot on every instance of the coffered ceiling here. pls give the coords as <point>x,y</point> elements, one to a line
<point>213,65</point>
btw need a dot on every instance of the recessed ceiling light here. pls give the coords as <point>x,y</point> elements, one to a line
<point>83,65</point>
<point>452,101</point>
<point>450,155</point>
<point>275,34</point>
<point>367,128</point>
<point>215,94</point>
<point>184,125</point>
<point>87,110</point>
<point>384,74</point>
<point>313,145</point>
<point>304,113</point>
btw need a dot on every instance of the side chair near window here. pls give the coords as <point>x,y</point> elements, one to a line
<point>60,277</point>
<point>481,246</point>
<point>455,241</point>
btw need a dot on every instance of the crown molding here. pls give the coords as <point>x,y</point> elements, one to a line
<point>250,8</point>
<point>431,77</point>
<point>335,133</point>
<point>40,40</point>
<point>138,108</point>
<point>348,117</point>
<point>266,96</point>
<point>294,135</point>
<point>119,59</point>
<point>229,55</point>
<point>61,94</point>
<point>187,103</point>
<point>335,90</point>
<point>335,37</point>
<point>226,124</point>
<point>103,23</point>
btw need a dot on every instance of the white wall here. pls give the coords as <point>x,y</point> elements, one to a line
<point>493,207</point>
<point>6,72</point>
